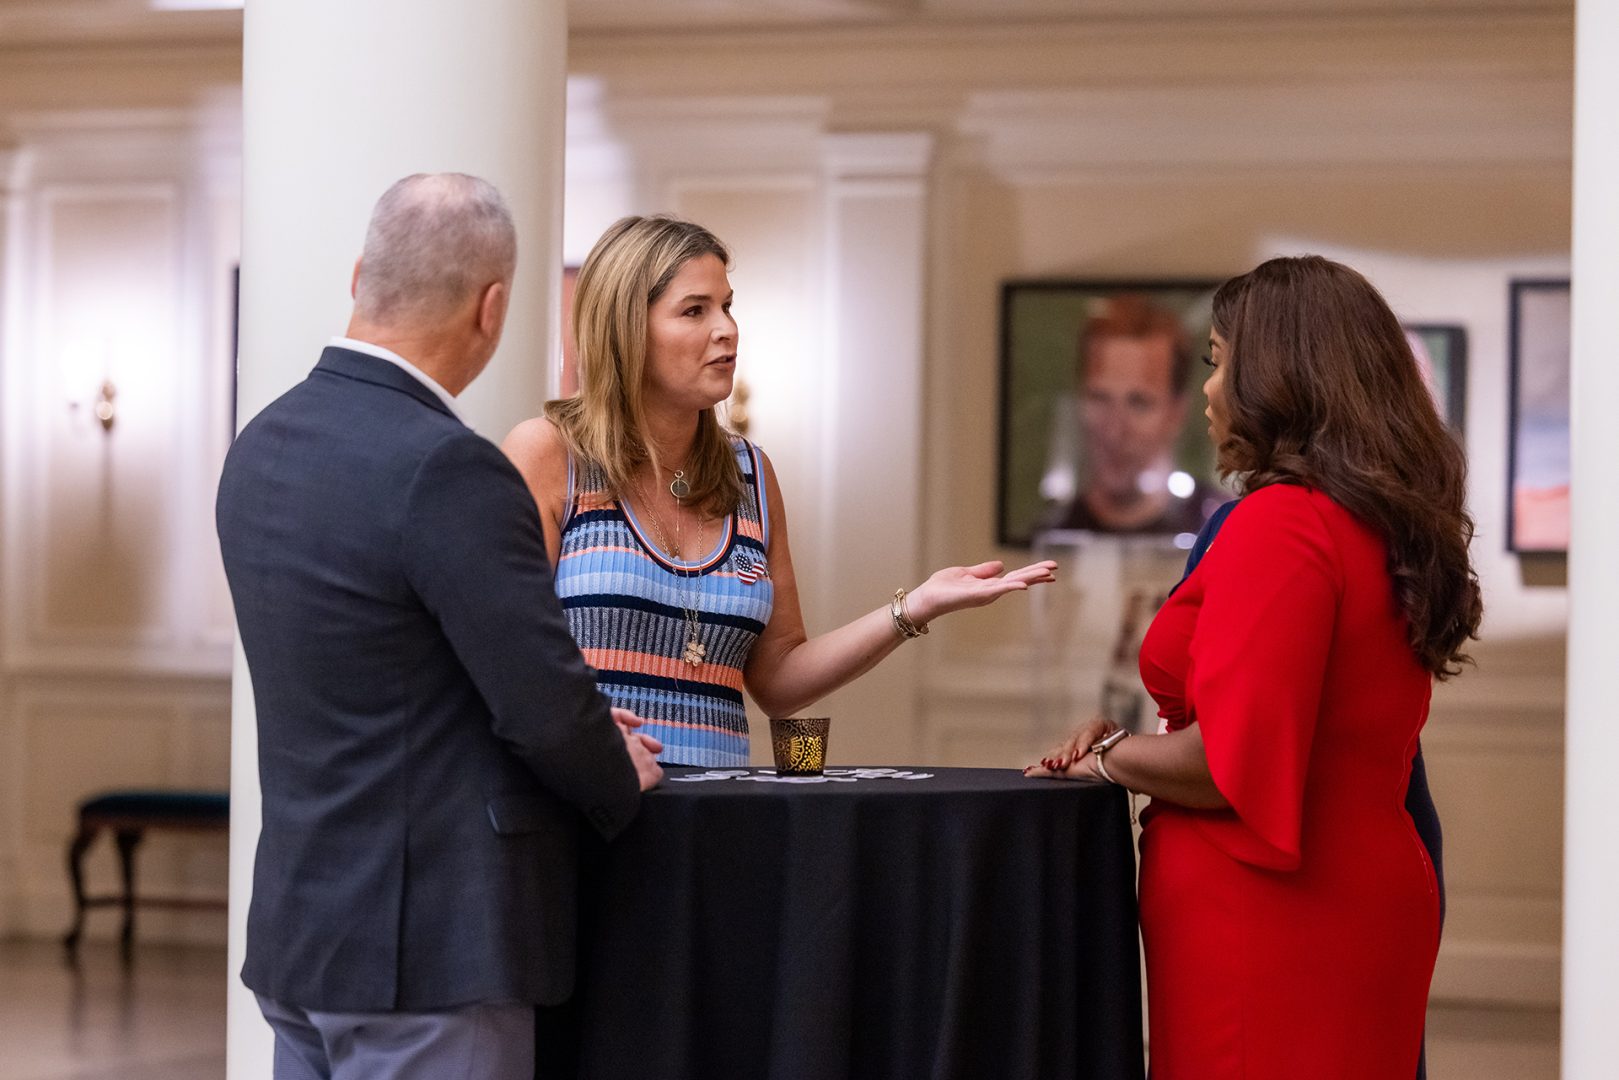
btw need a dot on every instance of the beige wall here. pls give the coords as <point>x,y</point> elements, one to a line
<point>120,190</point>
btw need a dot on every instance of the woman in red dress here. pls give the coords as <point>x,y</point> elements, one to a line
<point>1288,907</point>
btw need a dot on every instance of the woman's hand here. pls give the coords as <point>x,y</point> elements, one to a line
<point>1071,759</point>
<point>957,587</point>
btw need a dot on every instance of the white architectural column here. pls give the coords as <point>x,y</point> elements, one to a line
<point>871,486</point>
<point>14,163</point>
<point>340,100</point>
<point>1591,848</point>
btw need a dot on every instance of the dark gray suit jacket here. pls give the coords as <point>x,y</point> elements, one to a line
<point>430,738</point>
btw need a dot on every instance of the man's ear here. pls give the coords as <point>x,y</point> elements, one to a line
<point>492,309</point>
<point>354,280</point>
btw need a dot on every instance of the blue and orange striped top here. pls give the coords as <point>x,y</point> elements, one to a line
<point>626,599</point>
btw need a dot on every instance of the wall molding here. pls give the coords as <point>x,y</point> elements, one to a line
<point>191,717</point>
<point>178,160</point>
<point>1497,973</point>
<point>168,669</point>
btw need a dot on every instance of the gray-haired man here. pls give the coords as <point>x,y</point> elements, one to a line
<point>430,738</point>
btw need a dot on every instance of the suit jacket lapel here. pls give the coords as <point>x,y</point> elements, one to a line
<point>379,372</point>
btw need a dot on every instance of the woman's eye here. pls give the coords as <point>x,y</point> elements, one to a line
<point>1209,361</point>
<point>693,311</point>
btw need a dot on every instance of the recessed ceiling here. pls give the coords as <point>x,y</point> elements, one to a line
<point>44,22</point>
<point>96,22</point>
<point>664,15</point>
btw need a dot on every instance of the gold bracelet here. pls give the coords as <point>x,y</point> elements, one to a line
<point>1099,751</point>
<point>902,618</point>
<point>1101,768</point>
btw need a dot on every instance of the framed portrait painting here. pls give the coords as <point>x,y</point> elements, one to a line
<point>1101,409</point>
<point>1538,427</point>
<point>1441,355</point>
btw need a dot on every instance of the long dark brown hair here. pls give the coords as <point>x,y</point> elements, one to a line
<point>1323,390</point>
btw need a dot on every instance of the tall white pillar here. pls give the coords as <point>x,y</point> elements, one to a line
<point>14,169</point>
<point>876,217</point>
<point>339,101</point>
<point>1591,846</point>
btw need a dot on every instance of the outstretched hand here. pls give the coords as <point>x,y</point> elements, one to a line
<point>958,587</point>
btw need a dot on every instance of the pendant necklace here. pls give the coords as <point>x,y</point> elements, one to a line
<point>696,651</point>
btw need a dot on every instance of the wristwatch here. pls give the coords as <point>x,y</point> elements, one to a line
<point>1100,747</point>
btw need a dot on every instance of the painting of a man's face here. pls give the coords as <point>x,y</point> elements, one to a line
<point>1130,410</point>
<point>1101,415</point>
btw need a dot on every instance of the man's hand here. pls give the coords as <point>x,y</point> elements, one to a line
<point>643,749</point>
<point>626,719</point>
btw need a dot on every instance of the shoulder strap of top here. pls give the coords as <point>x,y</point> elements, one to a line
<point>750,459</point>
<point>587,486</point>
<point>570,499</point>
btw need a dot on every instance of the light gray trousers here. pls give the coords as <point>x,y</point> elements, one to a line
<point>473,1042</point>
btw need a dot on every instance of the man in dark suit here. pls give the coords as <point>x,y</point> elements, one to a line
<point>430,738</point>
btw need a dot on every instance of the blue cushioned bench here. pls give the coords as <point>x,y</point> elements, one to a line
<point>128,815</point>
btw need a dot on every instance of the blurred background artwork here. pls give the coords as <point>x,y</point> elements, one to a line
<point>1538,453</point>
<point>1102,426</point>
<point>1110,588</point>
<point>1441,355</point>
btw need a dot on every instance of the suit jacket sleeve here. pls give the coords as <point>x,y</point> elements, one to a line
<point>475,555</point>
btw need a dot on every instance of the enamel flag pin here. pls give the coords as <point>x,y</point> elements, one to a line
<point>750,568</point>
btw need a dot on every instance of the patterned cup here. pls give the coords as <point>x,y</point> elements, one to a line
<point>800,744</point>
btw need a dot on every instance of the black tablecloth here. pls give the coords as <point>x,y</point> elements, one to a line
<point>970,924</point>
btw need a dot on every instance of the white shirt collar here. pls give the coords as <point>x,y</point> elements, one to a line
<point>355,345</point>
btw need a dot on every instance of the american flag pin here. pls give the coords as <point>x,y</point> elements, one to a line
<point>750,568</point>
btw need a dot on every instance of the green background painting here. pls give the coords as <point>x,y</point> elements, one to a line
<point>1040,323</point>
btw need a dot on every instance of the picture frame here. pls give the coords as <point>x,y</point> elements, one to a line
<point>1440,350</point>
<point>1538,340</point>
<point>1048,454</point>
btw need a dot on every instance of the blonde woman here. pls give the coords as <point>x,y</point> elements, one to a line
<point>668,532</point>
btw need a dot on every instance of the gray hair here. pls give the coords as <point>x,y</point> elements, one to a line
<point>435,239</point>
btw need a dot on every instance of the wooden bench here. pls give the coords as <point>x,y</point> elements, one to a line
<point>128,815</point>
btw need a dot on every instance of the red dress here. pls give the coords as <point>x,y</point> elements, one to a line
<point>1293,935</point>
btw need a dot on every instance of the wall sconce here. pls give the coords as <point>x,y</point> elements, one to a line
<point>737,406</point>
<point>105,410</point>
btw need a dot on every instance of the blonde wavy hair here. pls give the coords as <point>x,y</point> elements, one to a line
<point>630,267</point>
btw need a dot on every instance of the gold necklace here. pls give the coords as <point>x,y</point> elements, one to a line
<point>696,651</point>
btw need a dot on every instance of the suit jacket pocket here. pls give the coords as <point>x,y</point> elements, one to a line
<point>513,815</point>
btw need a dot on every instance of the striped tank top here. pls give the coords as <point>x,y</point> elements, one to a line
<point>625,599</point>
